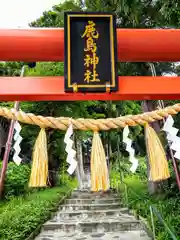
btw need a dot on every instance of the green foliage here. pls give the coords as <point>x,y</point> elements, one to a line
<point>139,199</point>
<point>47,69</point>
<point>22,215</point>
<point>64,179</point>
<point>10,68</point>
<point>123,166</point>
<point>17,178</point>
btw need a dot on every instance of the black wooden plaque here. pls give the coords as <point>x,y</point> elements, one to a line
<point>90,59</point>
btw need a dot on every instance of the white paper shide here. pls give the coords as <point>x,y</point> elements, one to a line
<point>71,153</point>
<point>130,150</point>
<point>18,140</point>
<point>172,137</point>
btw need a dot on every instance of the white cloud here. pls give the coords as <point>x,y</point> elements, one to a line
<point>18,13</point>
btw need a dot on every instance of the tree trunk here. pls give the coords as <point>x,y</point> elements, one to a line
<point>152,186</point>
<point>3,138</point>
<point>53,163</point>
<point>109,147</point>
<point>51,169</point>
<point>80,159</point>
<point>78,171</point>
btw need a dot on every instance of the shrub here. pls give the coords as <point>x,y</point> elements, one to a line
<point>17,178</point>
<point>168,205</point>
<point>63,179</point>
<point>22,215</point>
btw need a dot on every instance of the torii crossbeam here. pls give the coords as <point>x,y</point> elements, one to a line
<point>52,89</point>
<point>142,45</point>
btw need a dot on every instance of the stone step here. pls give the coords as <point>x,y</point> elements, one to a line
<point>96,213</point>
<point>92,195</point>
<point>89,201</point>
<point>92,218</point>
<point>120,235</point>
<point>94,226</point>
<point>71,207</point>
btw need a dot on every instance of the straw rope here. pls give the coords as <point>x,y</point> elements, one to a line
<point>62,123</point>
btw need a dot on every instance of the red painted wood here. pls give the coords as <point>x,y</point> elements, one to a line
<point>134,45</point>
<point>52,88</point>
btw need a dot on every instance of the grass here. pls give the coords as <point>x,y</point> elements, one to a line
<point>140,200</point>
<point>20,216</point>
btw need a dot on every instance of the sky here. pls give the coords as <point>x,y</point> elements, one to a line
<point>18,13</point>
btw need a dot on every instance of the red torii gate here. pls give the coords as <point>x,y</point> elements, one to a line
<point>134,45</point>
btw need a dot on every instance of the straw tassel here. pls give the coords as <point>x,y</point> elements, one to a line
<point>39,171</point>
<point>159,169</point>
<point>99,170</point>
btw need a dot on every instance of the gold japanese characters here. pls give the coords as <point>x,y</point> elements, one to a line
<point>91,59</point>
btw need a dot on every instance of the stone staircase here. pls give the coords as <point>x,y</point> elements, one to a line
<point>93,216</point>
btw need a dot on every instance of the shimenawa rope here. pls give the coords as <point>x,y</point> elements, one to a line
<point>62,123</point>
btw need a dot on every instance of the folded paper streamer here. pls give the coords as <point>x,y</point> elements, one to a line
<point>17,139</point>
<point>39,171</point>
<point>171,136</point>
<point>99,170</point>
<point>71,153</point>
<point>156,155</point>
<point>130,150</point>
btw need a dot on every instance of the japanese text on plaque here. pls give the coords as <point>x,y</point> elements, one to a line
<point>91,60</point>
